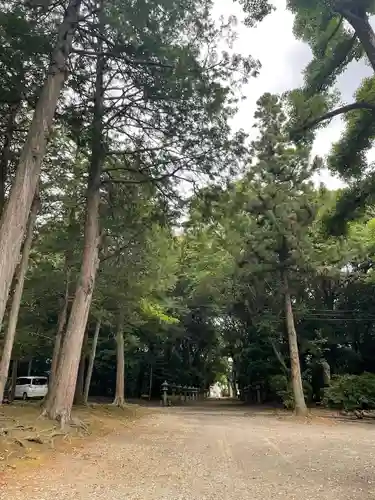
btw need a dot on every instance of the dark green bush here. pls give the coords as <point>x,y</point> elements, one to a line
<point>280,386</point>
<point>351,392</point>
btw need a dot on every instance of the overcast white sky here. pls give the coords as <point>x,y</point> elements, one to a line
<point>283,58</point>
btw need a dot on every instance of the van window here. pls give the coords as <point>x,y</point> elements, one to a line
<point>23,381</point>
<point>39,381</point>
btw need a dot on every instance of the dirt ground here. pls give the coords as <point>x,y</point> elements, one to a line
<point>25,438</point>
<point>213,451</point>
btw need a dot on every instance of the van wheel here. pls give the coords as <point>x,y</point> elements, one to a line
<point>24,396</point>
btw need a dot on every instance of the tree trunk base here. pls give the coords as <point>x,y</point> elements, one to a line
<point>79,401</point>
<point>119,401</point>
<point>301,412</point>
<point>63,418</point>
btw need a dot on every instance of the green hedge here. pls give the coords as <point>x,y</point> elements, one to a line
<point>351,392</point>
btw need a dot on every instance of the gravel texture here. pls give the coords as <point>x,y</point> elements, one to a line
<point>213,452</point>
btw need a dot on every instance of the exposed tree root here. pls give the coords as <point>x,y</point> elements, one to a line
<point>79,424</point>
<point>66,421</point>
<point>19,442</point>
<point>35,439</point>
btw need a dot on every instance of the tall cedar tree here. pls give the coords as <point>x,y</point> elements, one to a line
<point>16,211</point>
<point>136,99</point>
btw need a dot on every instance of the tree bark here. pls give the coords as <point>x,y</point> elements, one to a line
<point>78,394</point>
<point>279,357</point>
<point>14,380</point>
<point>16,300</point>
<point>299,398</point>
<point>363,30</point>
<point>230,387</point>
<point>16,212</point>
<point>59,404</point>
<point>234,388</point>
<point>63,315</point>
<point>5,153</point>
<point>326,373</point>
<point>91,362</point>
<point>120,364</point>
<point>150,382</point>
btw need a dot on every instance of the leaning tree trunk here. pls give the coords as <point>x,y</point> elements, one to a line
<point>299,398</point>
<point>14,381</point>
<point>120,364</point>
<point>61,393</point>
<point>91,362</point>
<point>60,401</point>
<point>63,315</point>
<point>6,151</point>
<point>15,215</point>
<point>16,300</point>
<point>363,30</point>
<point>78,394</point>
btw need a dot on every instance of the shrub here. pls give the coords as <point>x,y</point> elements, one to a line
<point>280,386</point>
<point>351,392</point>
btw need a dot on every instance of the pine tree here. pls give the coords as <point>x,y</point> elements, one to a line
<point>281,212</point>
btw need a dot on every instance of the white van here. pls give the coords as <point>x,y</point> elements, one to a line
<point>31,387</point>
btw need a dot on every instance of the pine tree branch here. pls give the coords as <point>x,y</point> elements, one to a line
<point>118,251</point>
<point>336,112</point>
<point>111,180</point>
<point>128,60</point>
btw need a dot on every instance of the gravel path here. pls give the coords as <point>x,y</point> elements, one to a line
<point>213,452</point>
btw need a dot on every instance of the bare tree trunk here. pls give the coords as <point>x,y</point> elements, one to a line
<point>14,380</point>
<point>29,367</point>
<point>59,404</point>
<point>150,384</point>
<point>299,398</point>
<point>230,387</point>
<point>16,300</point>
<point>91,362</point>
<point>16,212</point>
<point>5,153</point>
<point>326,373</point>
<point>63,314</point>
<point>120,364</point>
<point>363,30</point>
<point>279,357</point>
<point>78,394</point>
<point>234,388</point>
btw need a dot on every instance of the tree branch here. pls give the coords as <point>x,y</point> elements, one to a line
<point>146,179</point>
<point>133,62</point>
<point>336,112</point>
<point>335,31</point>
